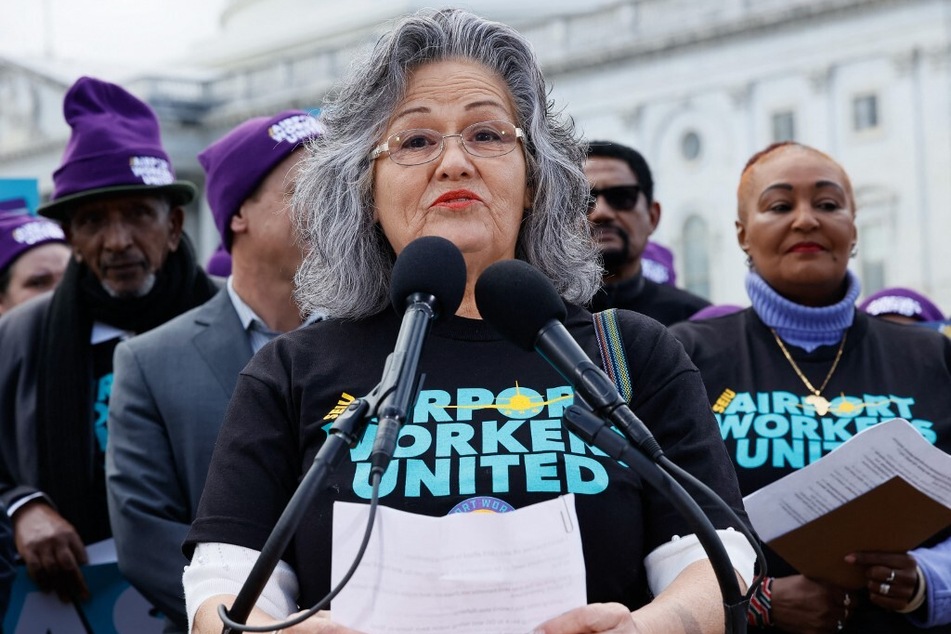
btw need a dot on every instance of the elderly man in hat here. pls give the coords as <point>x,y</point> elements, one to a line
<point>173,384</point>
<point>623,215</point>
<point>33,254</point>
<point>132,269</point>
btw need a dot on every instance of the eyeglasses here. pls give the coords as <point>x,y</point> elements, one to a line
<point>620,197</point>
<point>485,139</point>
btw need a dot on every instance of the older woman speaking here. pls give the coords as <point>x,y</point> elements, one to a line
<point>446,131</point>
<point>802,370</point>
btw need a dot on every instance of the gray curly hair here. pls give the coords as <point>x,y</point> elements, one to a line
<point>346,271</point>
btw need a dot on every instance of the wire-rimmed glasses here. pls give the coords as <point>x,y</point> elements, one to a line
<point>484,139</point>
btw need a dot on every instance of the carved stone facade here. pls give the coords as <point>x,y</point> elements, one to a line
<point>697,85</point>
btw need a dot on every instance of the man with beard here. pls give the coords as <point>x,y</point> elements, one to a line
<point>623,215</point>
<point>132,268</point>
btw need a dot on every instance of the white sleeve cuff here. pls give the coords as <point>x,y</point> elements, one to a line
<point>39,495</point>
<point>223,568</point>
<point>665,562</point>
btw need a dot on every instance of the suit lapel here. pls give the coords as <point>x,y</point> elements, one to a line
<point>221,341</point>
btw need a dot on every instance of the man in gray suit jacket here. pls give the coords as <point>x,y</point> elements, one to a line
<point>171,387</point>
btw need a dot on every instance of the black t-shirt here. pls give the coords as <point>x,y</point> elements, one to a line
<point>485,433</point>
<point>886,371</point>
<point>667,304</point>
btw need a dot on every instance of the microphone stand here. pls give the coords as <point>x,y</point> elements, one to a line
<point>389,402</point>
<point>344,433</point>
<point>596,432</point>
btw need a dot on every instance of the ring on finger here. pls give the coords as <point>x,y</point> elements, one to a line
<point>884,588</point>
<point>891,576</point>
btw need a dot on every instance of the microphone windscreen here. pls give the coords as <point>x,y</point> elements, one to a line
<point>430,265</point>
<point>518,300</point>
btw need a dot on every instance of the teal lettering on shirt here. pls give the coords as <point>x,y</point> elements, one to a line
<point>783,432</point>
<point>585,475</point>
<point>101,410</point>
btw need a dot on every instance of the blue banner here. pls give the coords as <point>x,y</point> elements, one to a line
<point>115,607</point>
<point>26,188</point>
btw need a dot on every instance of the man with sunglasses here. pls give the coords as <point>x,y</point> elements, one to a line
<point>623,215</point>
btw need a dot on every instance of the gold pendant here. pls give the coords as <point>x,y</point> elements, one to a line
<point>819,402</point>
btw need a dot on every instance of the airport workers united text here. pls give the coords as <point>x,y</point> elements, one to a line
<point>454,439</point>
<point>781,430</point>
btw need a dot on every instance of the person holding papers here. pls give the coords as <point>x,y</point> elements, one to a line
<point>446,130</point>
<point>801,371</point>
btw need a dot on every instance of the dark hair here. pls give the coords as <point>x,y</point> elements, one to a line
<point>630,156</point>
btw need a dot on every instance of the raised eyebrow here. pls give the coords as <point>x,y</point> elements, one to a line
<point>483,103</point>
<point>830,184</point>
<point>409,111</point>
<point>475,105</point>
<point>781,186</point>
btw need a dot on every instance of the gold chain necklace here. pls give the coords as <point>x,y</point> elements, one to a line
<point>816,399</point>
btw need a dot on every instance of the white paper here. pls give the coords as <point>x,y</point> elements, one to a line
<point>865,461</point>
<point>463,573</point>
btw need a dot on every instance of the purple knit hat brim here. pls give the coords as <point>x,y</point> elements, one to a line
<point>178,193</point>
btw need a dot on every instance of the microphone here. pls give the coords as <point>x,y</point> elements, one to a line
<point>428,281</point>
<point>521,303</point>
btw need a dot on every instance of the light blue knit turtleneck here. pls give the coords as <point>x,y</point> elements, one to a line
<point>803,326</point>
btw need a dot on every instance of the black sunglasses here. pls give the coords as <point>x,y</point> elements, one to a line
<point>620,197</point>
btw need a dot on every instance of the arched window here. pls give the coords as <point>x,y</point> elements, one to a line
<point>696,256</point>
<point>691,146</point>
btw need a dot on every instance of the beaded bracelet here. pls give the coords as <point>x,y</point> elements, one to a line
<point>760,605</point>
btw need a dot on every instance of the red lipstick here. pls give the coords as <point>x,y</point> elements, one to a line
<point>456,199</point>
<point>805,247</point>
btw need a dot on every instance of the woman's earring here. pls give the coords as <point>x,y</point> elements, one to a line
<point>749,261</point>
<point>855,251</point>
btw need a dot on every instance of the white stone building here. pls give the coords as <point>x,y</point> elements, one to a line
<point>696,85</point>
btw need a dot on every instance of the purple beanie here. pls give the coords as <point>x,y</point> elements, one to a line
<point>115,147</point>
<point>657,262</point>
<point>20,232</point>
<point>901,301</point>
<point>219,263</point>
<point>237,163</point>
